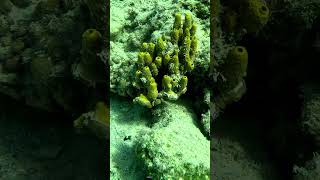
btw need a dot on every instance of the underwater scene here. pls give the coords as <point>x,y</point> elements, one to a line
<point>53,90</point>
<point>159,103</point>
<point>159,89</point>
<point>265,104</point>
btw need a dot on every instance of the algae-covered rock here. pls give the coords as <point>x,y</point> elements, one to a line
<point>168,145</point>
<point>21,3</point>
<point>41,68</point>
<point>205,121</point>
<point>96,121</point>
<point>175,149</point>
<point>4,25</point>
<point>311,169</point>
<point>98,12</point>
<point>310,121</point>
<point>5,6</point>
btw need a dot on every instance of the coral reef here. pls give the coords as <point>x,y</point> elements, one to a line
<point>282,100</point>
<point>41,93</point>
<point>130,29</point>
<point>172,41</point>
<point>41,44</point>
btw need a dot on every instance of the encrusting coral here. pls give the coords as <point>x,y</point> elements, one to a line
<point>168,62</point>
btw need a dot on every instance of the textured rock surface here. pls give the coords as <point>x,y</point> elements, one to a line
<point>133,132</point>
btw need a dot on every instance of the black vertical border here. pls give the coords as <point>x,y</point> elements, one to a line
<point>214,11</point>
<point>107,46</point>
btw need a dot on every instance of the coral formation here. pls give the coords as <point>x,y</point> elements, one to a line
<point>41,43</point>
<point>166,63</point>
<point>172,60</point>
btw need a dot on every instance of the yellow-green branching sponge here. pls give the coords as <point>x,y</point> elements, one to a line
<point>168,61</point>
<point>183,84</point>
<point>254,15</point>
<point>143,101</point>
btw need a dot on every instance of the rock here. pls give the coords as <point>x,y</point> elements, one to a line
<point>21,3</point>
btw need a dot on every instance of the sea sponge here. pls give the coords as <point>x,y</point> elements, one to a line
<point>91,40</point>
<point>235,67</point>
<point>170,57</point>
<point>232,86</point>
<point>143,101</point>
<point>254,15</point>
<point>96,121</point>
<point>91,69</point>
